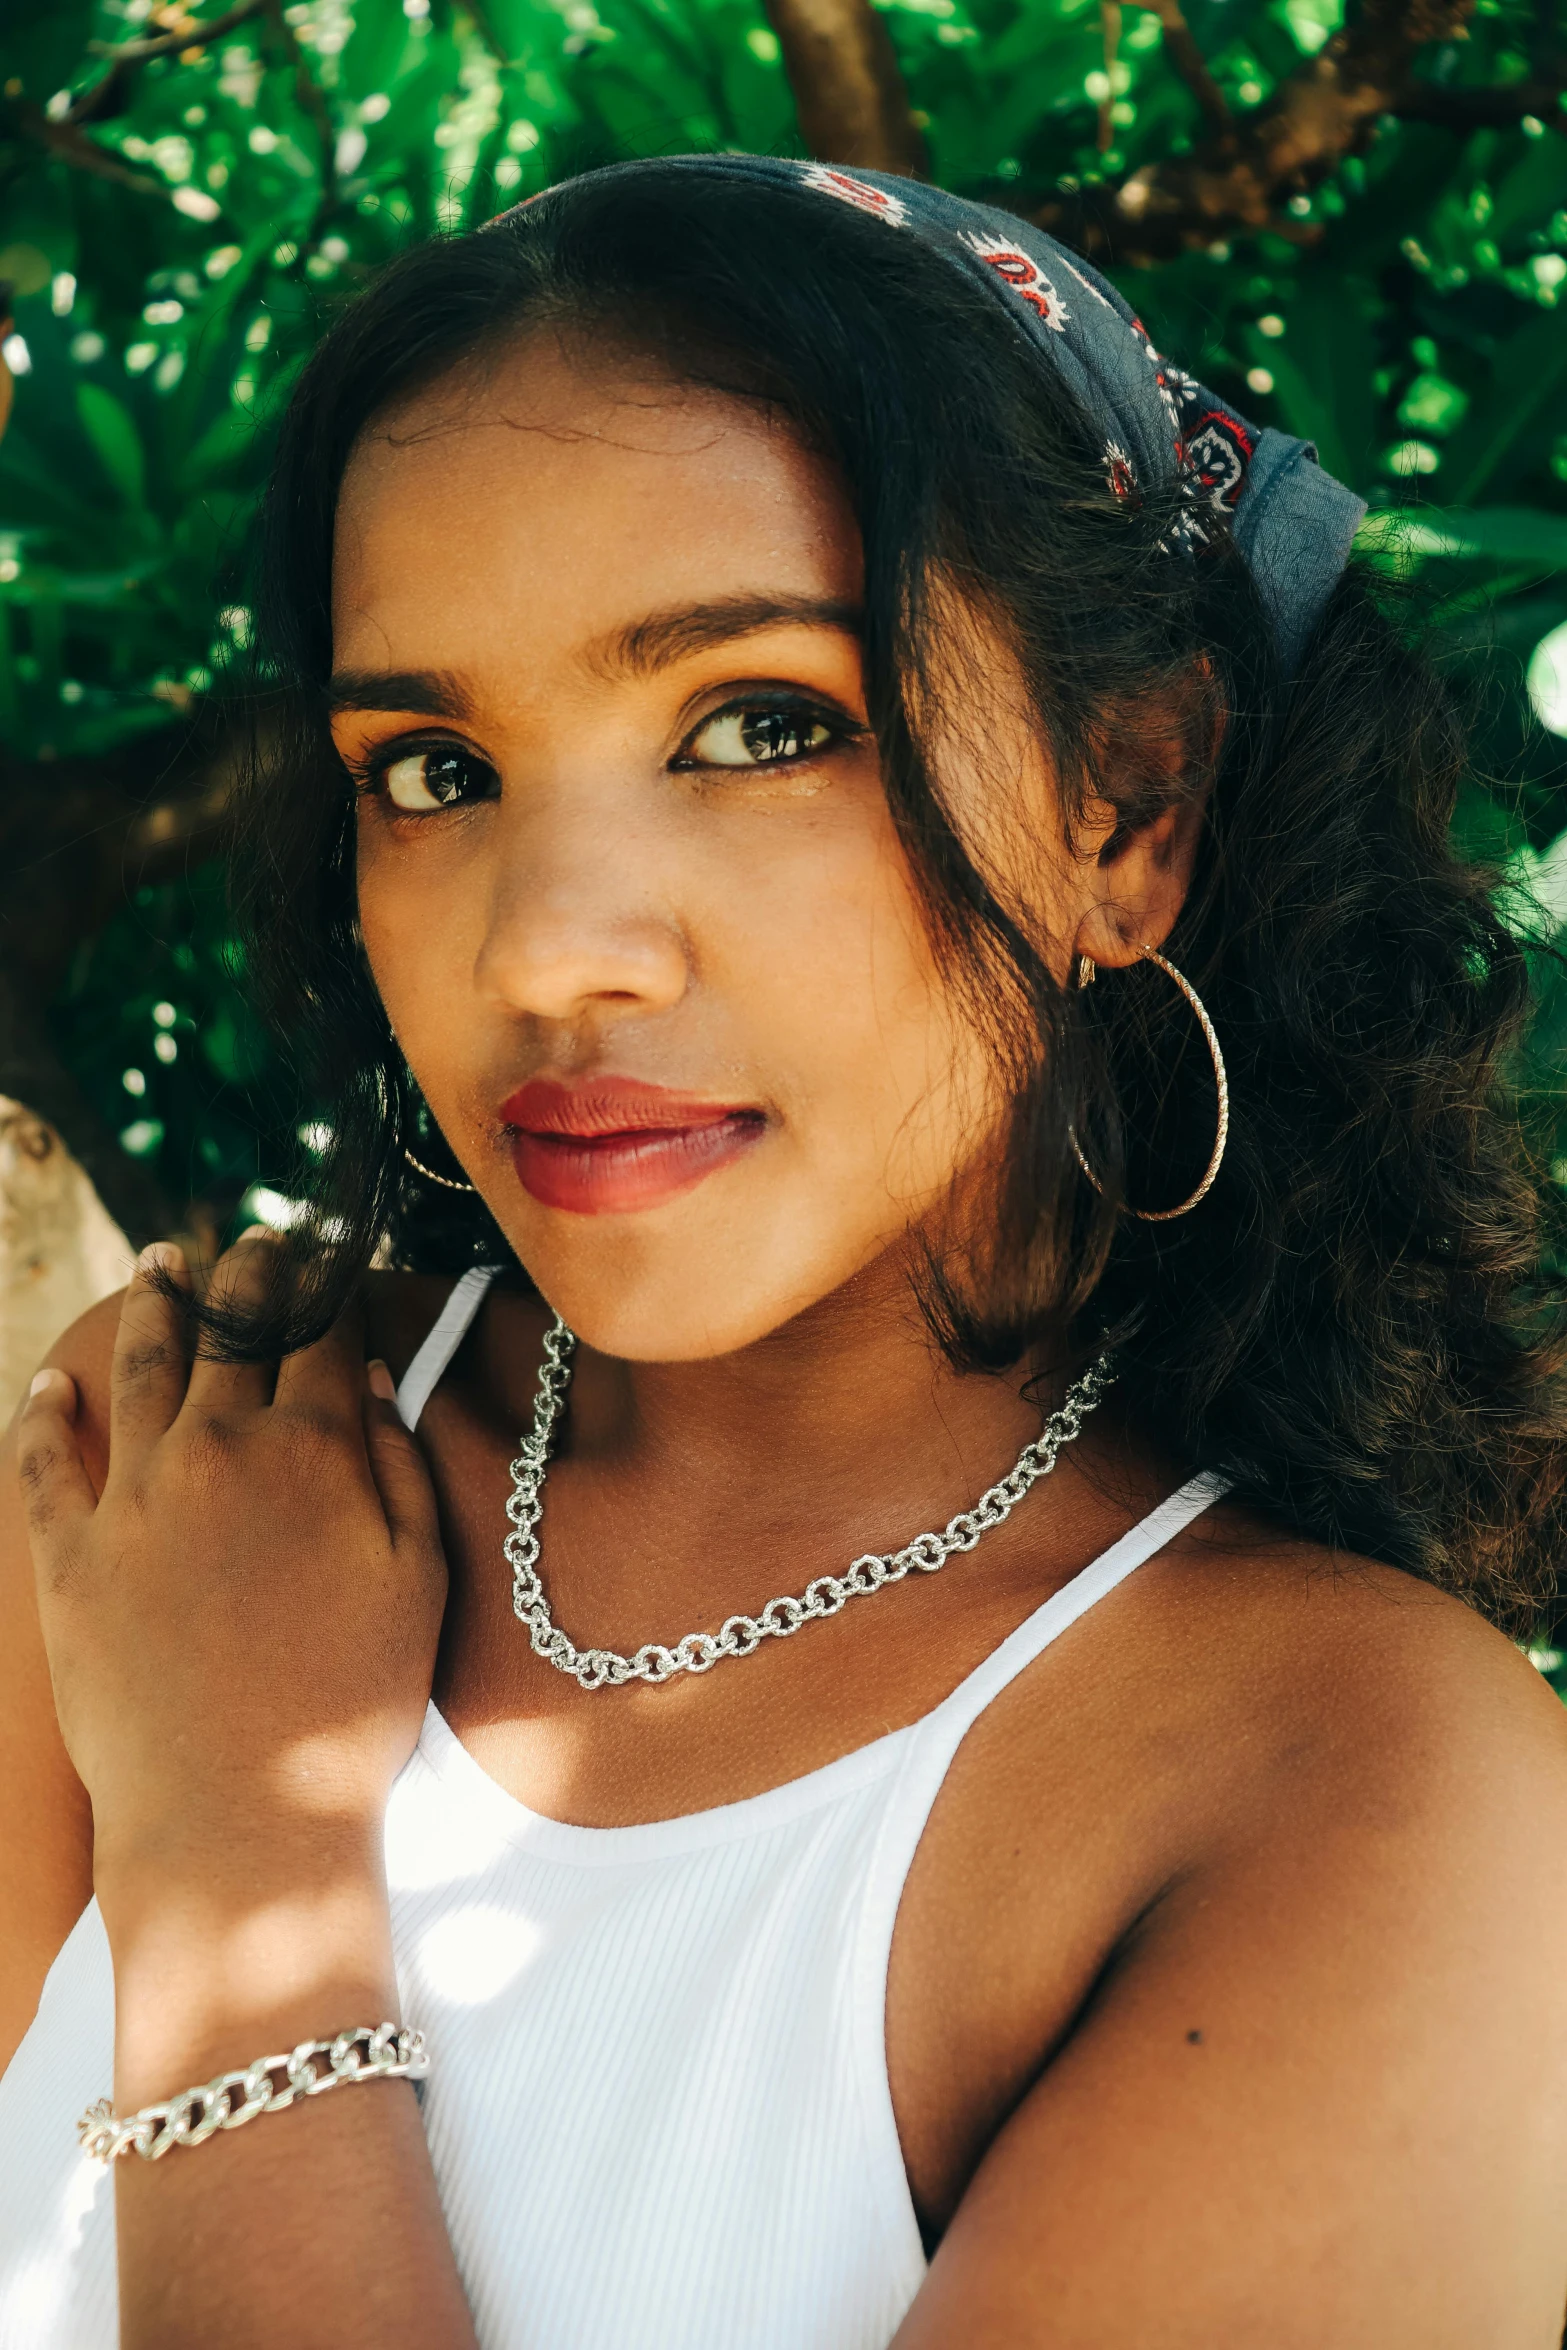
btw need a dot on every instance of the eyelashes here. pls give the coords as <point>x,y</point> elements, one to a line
<point>750,734</point>
<point>753,732</point>
<point>419,779</point>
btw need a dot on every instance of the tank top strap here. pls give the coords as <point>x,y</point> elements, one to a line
<point>933,1742</point>
<point>445,1336</point>
<point>942,1731</point>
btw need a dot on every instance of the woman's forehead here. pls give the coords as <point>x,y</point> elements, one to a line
<point>574,501</point>
<point>542,409</point>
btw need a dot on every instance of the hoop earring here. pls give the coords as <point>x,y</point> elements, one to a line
<point>1085,975</point>
<point>446,1182</point>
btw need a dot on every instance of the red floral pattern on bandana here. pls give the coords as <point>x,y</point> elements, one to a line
<point>828,182</point>
<point>1025,277</point>
<point>1216,454</point>
<point>1120,472</point>
<point>1211,446</point>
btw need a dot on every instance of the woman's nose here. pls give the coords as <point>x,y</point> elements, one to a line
<point>576,922</point>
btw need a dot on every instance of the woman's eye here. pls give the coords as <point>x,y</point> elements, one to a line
<point>758,737</point>
<point>422,780</point>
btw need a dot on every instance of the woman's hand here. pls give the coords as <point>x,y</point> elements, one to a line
<point>241,1633</point>
<point>241,1630</point>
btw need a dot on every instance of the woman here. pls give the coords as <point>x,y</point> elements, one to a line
<point>745,647</point>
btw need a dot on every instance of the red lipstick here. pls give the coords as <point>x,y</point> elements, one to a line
<point>612,1145</point>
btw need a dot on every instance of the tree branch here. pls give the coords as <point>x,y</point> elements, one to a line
<point>109,96</point>
<point>848,87</point>
<point>104,99</point>
<point>1180,46</point>
<point>71,145</point>
<point>1240,181</point>
<point>196,36</point>
<point>1110,40</point>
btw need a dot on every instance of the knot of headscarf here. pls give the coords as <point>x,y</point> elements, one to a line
<point>1292,523</point>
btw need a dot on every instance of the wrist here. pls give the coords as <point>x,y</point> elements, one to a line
<point>208,1977</point>
<point>228,1863</point>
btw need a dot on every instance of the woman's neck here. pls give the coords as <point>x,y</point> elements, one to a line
<point>681,1494</point>
<point>843,1430</point>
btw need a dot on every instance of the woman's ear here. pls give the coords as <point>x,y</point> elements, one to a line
<point>1141,887</point>
<point>1136,867</point>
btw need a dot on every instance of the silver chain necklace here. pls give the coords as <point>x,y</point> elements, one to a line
<point>698,1652</point>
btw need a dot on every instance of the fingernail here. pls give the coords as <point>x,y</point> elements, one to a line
<point>161,1256</point>
<point>41,1380</point>
<point>382,1383</point>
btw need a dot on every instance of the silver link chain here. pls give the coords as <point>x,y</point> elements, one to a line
<point>388,2054</point>
<point>698,1652</point>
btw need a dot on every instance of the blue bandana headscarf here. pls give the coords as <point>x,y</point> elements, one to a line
<point>1291,522</point>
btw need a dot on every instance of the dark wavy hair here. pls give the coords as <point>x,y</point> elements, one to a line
<point>1354,1326</point>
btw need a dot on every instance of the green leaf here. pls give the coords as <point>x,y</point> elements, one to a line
<point>110,427</point>
<point>1432,404</point>
<point>1504,534</point>
<point>227,442</point>
<point>1529,372</point>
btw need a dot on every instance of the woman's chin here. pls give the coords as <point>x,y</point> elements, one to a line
<point>670,1288</point>
<point>685,1316</point>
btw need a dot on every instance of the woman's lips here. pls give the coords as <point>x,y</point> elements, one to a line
<point>611,1146</point>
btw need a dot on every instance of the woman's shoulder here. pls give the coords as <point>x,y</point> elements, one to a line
<point>1268,1712</point>
<point>1264,1655</point>
<point>1255,1709</point>
<point>1289,1807</point>
<point>1285,1667</point>
<point>1261,1883</point>
<point>1370,1660</point>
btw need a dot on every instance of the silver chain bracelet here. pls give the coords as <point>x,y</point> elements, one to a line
<point>389,2054</point>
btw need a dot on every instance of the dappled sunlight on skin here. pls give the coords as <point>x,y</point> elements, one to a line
<point>237,1856</point>
<point>277,1940</point>
<point>308,1780</point>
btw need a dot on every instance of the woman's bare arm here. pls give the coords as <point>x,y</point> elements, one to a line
<point>45,1818</point>
<point>1315,2102</point>
<point>240,1621</point>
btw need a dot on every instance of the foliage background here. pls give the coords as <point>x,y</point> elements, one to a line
<point>177,228</point>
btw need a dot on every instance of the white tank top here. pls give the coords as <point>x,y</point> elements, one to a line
<point>658,2107</point>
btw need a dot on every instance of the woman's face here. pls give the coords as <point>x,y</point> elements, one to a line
<point>627,877</point>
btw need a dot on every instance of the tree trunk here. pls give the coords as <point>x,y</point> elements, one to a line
<point>60,1250</point>
<point>848,87</point>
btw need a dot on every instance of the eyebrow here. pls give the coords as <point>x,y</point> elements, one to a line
<point>434,693</point>
<point>663,637</point>
<point>641,648</point>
